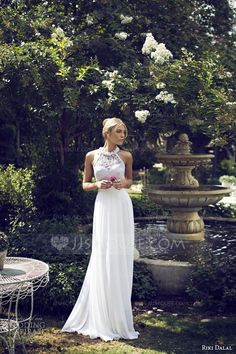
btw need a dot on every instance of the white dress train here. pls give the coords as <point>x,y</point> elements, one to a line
<point>103,308</point>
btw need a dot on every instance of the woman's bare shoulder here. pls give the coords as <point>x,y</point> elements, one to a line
<point>126,155</point>
<point>90,154</point>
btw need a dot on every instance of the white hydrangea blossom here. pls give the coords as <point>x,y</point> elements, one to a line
<point>109,83</point>
<point>58,34</point>
<point>228,74</point>
<point>121,35</point>
<point>158,52</point>
<point>69,43</point>
<point>142,115</point>
<point>126,19</point>
<point>112,75</point>
<point>37,33</point>
<point>161,54</point>
<point>160,85</point>
<point>89,20</point>
<point>209,10</point>
<point>230,103</point>
<point>150,44</point>
<point>224,75</point>
<point>165,97</point>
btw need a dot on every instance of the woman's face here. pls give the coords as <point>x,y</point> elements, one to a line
<point>117,134</point>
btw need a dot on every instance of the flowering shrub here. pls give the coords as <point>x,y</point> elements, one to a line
<point>194,86</point>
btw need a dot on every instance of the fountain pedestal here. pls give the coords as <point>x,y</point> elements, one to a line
<point>185,225</point>
<point>184,197</point>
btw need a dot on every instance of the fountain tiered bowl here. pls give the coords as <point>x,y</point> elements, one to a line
<point>183,195</point>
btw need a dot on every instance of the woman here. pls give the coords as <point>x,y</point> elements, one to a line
<point>103,308</point>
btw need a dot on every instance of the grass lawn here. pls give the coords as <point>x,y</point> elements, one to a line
<point>162,331</point>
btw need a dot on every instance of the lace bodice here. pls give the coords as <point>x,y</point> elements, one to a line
<point>108,164</point>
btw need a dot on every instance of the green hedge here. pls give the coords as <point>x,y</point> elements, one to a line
<point>16,194</point>
<point>143,206</point>
<point>66,279</point>
<point>220,210</point>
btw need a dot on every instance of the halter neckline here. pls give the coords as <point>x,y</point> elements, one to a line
<point>107,159</point>
<point>115,151</point>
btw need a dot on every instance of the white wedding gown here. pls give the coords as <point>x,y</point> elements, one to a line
<point>103,308</point>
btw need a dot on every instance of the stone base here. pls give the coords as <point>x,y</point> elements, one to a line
<point>199,236</point>
<point>185,224</point>
<point>171,276</point>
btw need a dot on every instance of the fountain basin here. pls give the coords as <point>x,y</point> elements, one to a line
<point>185,223</point>
<point>184,159</point>
<point>172,277</point>
<point>172,271</point>
<point>183,198</point>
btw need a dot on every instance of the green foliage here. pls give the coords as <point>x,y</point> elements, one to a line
<point>228,167</point>
<point>143,206</point>
<point>213,278</point>
<point>4,243</point>
<point>60,193</point>
<point>16,185</point>
<point>7,143</point>
<point>156,176</point>
<point>66,279</point>
<point>220,210</point>
<point>144,287</point>
<point>16,193</point>
<point>228,179</point>
<point>143,157</point>
<point>34,238</point>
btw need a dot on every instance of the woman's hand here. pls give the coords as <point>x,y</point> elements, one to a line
<point>104,184</point>
<point>119,183</point>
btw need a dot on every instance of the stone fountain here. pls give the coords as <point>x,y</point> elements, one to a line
<point>184,197</point>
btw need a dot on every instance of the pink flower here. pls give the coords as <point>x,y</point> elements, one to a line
<point>112,178</point>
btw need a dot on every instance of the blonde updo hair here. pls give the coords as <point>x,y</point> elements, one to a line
<point>109,124</point>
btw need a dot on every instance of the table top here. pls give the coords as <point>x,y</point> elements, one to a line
<point>21,277</point>
<point>19,270</point>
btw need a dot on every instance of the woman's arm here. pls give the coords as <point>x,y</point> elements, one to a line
<point>128,180</point>
<point>88,173</point>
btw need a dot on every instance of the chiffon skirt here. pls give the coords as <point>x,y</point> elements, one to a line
<point>103,308</point>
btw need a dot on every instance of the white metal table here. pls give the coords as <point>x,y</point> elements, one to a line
<point>20,278</point>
